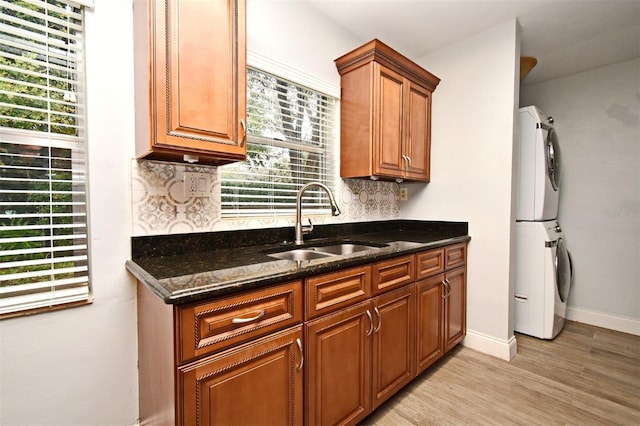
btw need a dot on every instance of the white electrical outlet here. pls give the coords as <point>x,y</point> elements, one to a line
<point>196,184</point>
<point>404,194</point>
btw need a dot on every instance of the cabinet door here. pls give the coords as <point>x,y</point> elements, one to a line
<point>338,360</point>
<point>393,343</point>
<point>257,383</point>
<point>430,321</point>
<point>417,141</point>
<point>198,97</point>
<point>388,129</point>
<point>456,307</point>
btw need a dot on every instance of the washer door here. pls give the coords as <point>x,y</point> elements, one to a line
<point>563,270</point>
<point>553,158</point>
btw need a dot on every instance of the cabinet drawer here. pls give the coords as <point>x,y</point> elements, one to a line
<point>335,290</point>
<point>393,273</point>
<point>429,263</point>
<point>455,255</point>
<point>209,327</point>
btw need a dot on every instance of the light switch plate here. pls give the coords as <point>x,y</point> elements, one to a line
<point>196,184</point>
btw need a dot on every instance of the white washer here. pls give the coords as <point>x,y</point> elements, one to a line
<point>538,166</point>
<point>543,279</point>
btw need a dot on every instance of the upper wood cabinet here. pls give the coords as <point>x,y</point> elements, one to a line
<point>385,115</point>
<point>190,66</point>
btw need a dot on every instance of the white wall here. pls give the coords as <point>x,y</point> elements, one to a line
<point>79,366</point>
<point>597,118</point>
<point>312,41</point>
<point>471,171</point>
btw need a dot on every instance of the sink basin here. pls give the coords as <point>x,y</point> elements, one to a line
<point>346,248</point>
<point>323,251</point>
<point>300,254</point>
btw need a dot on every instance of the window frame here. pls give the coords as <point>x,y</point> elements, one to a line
<point>59,228</point>
<point>314,201</point>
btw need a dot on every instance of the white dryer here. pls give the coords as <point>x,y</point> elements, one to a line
<point>538,166</point>
<point>543,279</point>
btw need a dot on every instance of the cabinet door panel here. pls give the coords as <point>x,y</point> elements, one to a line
<point>418,140</point>
<point>257,383</point>
<point>338,359</point>
<point>390,123</point>
<point>430,325</point>
<point>191,29</point>
<point>197,77</point>
<point>456,320</point>
<point>393,343</point>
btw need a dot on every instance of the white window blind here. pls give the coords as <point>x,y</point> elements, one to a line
<point>291,135</point>
<point>43,202</point>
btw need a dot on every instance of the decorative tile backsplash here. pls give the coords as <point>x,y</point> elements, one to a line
<point>160,206</point>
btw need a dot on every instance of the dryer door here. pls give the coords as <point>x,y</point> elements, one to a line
<point>563,271</point>
<point>553,158</point>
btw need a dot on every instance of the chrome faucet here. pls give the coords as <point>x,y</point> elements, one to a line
<point>306,229</point>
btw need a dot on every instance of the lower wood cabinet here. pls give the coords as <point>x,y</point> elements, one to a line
<point>455,324</point>
<point>338,359</point>
<point>430,321</point>
<point>231,360</point>
<point>257,383</point>
<point>393,343</point>
<point>441,313</point>
<point>359,357</point>
<point>259,357</point>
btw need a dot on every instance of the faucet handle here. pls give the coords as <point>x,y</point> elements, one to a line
<point>306,229</point>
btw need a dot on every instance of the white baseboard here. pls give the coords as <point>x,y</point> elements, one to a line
<point>604,320</point>
<point>503,349</point>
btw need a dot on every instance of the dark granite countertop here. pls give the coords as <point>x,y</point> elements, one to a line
<point>187,268</point>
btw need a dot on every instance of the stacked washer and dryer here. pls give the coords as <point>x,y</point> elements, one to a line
<point>543,264</point>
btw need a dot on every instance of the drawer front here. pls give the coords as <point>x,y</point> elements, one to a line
<point>455,255</point>
<point>429,263</point>
<point>208,327</point>
<point>393,273</point>
<point>335,290</point>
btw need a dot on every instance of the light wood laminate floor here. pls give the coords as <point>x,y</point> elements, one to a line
<point>586,376</point>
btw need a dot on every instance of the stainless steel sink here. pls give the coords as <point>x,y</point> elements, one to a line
<point>323,251</point>
<point>300,254</point>
<point>345,248</point>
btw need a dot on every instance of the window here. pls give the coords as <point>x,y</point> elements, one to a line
<point>43,203</point>
<point>291,135</point>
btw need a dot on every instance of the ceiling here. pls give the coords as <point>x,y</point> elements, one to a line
<point>566,36</point>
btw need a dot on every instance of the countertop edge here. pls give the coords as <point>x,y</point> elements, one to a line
<point>224,288</point>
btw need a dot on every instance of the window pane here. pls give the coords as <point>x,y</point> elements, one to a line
<point>291,132</point>
<point>43,213</point>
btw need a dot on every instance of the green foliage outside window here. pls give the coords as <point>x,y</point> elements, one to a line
<point>279,111</point>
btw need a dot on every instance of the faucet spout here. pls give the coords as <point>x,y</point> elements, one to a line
<point>299,228</point>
